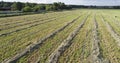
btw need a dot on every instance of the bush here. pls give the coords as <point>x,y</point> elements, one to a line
<point>27,9</point>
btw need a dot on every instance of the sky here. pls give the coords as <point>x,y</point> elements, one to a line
<point>75,2</point>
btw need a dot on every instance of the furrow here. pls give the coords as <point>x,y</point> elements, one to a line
<point>9,20</point>
<point>30,33</point>
<point>112,32</point>
<point>29,22</point>
<point>37,21</point>
<point>42,54</point>
<point>53,58</point>
<point>96,55</point>
<point>23,20</point>
<point>32,47</point>
<point>108,45</point>
<point>28,27</point>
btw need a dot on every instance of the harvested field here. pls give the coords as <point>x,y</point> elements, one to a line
<point>74,36</point>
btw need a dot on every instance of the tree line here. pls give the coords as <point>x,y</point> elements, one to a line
<point>34,7</point>
<point>95,7</point>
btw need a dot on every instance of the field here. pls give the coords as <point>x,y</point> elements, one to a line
<point>17,13</point>
<point>73,36</point>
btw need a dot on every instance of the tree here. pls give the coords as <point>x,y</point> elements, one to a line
<point>1,3</point>
<point>49,7</point>
<point>27,9</point>
<point>14,6</point>
<point>17,6</point>
<point>39,7</point>
<point>59,6</point>
<point>33,4</point>
<point>29,4</point>
<point>6,5</point>
<point>56,6</point>
<point>62,5</point>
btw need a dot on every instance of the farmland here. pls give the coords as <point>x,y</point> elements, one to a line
<point>72,36</point>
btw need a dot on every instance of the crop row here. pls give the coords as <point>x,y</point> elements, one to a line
<point>26,22</point>
<point>21,27</point>
<point>53,58</point>
<point>112,31</point>
<point>115,24</point>
<point>16,29</point>
<point>50,45</point>
<point>80,48</point>
<point>27,32</point>
<point>4,27</point>
<point>108,47</point>
<point>18,19</point>
<point>21,44</point>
